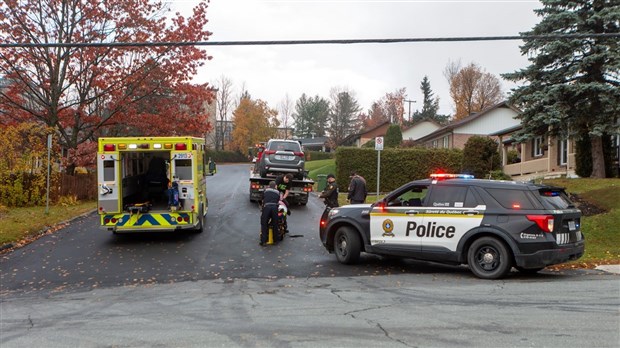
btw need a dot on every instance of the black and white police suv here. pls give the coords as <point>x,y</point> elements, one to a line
<point>452,218</point>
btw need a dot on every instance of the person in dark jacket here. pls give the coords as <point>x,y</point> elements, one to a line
<point>284,184</point>
<point>269,215</point>
<point>357,189</point>
<point>330,193</point>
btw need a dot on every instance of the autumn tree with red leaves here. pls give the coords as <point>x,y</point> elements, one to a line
<point>85,92</point>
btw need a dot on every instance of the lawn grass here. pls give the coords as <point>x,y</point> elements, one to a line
<point>601,231</point>
<point>325,166</point>
<point>21,223</point>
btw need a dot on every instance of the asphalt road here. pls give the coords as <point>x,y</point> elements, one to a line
<point>81,286</point>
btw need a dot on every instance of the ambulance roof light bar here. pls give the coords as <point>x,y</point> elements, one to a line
<point>451,176</point>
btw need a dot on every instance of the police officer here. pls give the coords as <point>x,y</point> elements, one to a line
<point>330,193</point>
<point>269,216</point>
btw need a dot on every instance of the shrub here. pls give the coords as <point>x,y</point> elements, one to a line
<point>398,166</point>
<point>583,157</point>
<point>318,155</point>
<point>393,136</point>
<point>499,175</point>
<point>226,156</point>
<point>480,156</point>
<point>67,201</point>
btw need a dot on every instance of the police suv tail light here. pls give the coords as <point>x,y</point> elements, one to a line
<point>544,222</point>
<point>380,206</point>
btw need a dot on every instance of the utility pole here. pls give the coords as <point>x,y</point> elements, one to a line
<point>409,103</point>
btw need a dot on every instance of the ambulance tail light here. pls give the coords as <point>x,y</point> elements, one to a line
<point>180,146</point>
<point>109,147</point>
<point>544,222</point>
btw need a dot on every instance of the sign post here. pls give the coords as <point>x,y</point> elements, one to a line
<point>378,147</point>
<point>47,193</point>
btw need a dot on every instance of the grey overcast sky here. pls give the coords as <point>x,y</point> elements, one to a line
<point>369,70</point>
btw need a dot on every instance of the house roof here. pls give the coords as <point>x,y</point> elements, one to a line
<point>458,123</point>
<point>373,128</point>
<point>507,130</point>
<point>420,122</point>
<point>316,141</point>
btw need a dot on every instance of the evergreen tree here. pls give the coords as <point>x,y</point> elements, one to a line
<point>393,136</point>
<point>573,85</point>
<point>480,156</point>
<point>344,115</point>
<point>430,105</point>
<point>310,116</point>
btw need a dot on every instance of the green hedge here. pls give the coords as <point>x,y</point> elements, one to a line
<point>227,156</point>
<point>318,155</point>
<point>398,166</point>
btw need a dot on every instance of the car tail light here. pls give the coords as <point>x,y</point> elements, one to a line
<point>269,152</point>
<point>544,222</point>
<point>300,154</point>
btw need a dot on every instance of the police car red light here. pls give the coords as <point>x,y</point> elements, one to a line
<point>544,222</point>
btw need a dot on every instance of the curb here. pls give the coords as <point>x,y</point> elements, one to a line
<point>615,269</point>
<point>38,234</point>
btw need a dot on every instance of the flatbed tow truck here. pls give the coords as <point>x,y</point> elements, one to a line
<point>299,193</point>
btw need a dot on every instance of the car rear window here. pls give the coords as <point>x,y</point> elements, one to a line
<point>285,146</point>
<point>514,199</point>
<point>557,198</point>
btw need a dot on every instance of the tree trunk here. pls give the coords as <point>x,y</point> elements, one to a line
<point>598,159</point>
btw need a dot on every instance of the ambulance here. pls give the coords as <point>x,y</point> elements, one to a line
<point>152,184</point>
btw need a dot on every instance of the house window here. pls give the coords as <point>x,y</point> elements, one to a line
<point>538,146</point>
<point>563,151</point>
<point>446,142</point>
<point>435,144</point>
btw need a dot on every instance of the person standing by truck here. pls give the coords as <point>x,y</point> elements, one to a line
<point>269,215</point>
<point>357,189</point>
<point>284,184</point>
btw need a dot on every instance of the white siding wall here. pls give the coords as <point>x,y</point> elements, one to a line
<point>419,130</point>
<point>495,120</point>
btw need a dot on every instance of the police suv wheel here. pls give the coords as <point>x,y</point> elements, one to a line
<point>488,258</point>
<point>347,245</point>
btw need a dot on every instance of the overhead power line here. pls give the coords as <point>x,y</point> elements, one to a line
<point>312,42</point>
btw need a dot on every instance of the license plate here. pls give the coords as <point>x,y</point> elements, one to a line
<point>572,226</point>
<point>285,158</point>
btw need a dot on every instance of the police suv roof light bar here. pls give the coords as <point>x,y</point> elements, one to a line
<point>451,176</point>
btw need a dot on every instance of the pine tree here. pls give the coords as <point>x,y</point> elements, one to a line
<point>573,85</point>
<point>344,115</point>
<point>430,105</point>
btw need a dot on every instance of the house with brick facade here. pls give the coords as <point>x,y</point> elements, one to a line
<point>455,134</point>
<point>367,135</point>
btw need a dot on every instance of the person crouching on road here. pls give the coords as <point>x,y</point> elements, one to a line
<point>330,193</point>
<point>269,216</point>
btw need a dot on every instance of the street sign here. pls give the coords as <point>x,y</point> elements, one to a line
<point>379,143</point>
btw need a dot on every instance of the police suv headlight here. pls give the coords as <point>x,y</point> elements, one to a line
<point>333,212</point>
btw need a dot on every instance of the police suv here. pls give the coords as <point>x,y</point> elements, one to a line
<point>455,219</point>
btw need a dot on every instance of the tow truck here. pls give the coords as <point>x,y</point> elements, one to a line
<point>299,193</point>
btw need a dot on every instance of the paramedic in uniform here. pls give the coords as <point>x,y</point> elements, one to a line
<point>269,215</point>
